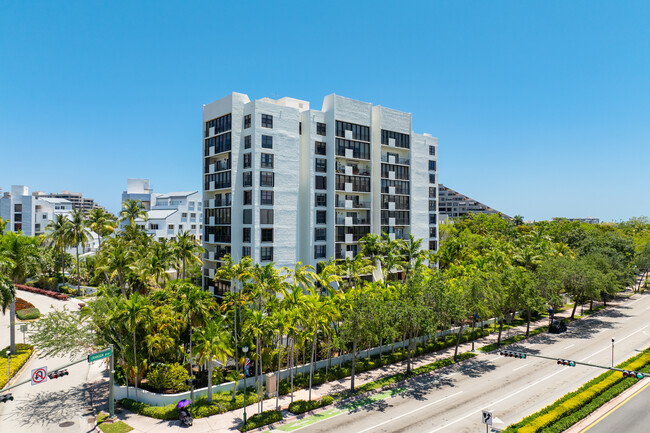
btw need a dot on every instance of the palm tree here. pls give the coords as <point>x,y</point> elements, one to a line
<point>158,261</point>
<point>213,341</point>
<point>7,293</point>
<point>518,220</point>
<point>258,325</point>
<point>58,235</point>
<point>131,211</point>
<point>410,252</point>
<point>115,260</point>
<point>187,248</point>
<point>101,222</point>
<point>327,275</point>
<point>136,312</point>
<point>78,236</point>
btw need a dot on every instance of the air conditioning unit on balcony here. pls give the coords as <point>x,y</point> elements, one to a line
<point>348,238</point>
<point>349,153</point>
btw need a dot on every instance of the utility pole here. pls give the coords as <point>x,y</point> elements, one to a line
<point>111,375</point>
<point>612,353</point>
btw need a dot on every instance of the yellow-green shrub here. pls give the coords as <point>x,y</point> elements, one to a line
<point>23,351</point>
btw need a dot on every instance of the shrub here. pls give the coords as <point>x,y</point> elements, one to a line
<point>168,377</point>
<point>233,375</point>
<point>302,406</point>
<point>28,314</point>
<point>23,351</point>
<point>47,283</point>
<point>51,294</point>
<point>217,375</point>
<point>260,419</point>
<point>168,412</point>
<point>21,304</point>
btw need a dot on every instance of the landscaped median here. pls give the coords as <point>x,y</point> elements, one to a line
<point>576,405</point>
<point>23,352</point>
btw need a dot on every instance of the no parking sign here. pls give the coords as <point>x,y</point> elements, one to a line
<point>39,375</point>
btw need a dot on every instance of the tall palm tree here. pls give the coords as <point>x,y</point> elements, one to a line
<point>258,323</point>
<point>187,248</point>
<point>131,211</point>
<point>159,259</point>
<point>116,260</point>
<point>57,233</point>
<point>78,236</point>
<point>213,341</point>
<point>136,312</point>
<point>410,252</point>
<point>101,222</point>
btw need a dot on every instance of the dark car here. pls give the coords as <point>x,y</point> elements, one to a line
<point>557,326</point>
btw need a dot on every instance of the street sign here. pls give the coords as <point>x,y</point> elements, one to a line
<point>99,355</point>
<point>39,375</point>
<point>487,417</point>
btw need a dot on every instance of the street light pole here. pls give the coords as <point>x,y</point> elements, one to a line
<point>111,375</point>
<point>245,350</point>
<point>612,353</point>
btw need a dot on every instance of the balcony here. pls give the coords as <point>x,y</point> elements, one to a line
<point>392,159</point>
<point>352,202</point>
<point>221,165</point>
<point>352,169</point>
<point>351,221</point>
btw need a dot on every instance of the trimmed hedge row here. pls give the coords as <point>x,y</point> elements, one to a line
<point>302,406</point>
<point>260,419</point>
<point>55,295</point>
<point>23,351</point>
<point>556,416</point>
<point>28,314</point>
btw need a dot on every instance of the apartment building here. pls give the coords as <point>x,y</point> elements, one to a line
<point>168,214</point>
<point>30,213</point>
<point>454,205</point>
<point>285,183</point>
<point>76,198</point>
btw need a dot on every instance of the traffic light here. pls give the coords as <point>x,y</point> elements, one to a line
<point>6,397</point>
<point>513,354</point>
<point>634,374</point>
<point>566,362</point>
<point>58,373</point>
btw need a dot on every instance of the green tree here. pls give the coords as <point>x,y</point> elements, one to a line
<point>78,236</point>
<point>136,313</point>
<point>131,211</point>
<point>101,222</point>
<point>213,342</point>
<point>187,249</point>
<point>57,233</point>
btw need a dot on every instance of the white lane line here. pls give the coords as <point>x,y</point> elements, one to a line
<point>409,413</point>
<point>569,346</point>
<point>519,368</point>
<point>478,410</point>
<point>608,347</point>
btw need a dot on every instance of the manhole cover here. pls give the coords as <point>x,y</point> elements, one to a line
<point>67,424</point>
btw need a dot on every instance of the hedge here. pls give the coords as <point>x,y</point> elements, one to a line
<point>302,406</point>
<point>23,351</point>
<point>590,396</point>
<point>55,295</point>
<point>28,314</point>
<point>260,419</point>
<point>164,377</point>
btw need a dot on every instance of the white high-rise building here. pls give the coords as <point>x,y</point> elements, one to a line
<point>284,183</point>
<point>30,213</point>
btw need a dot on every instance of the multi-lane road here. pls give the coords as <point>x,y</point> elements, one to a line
<point>451,400</point>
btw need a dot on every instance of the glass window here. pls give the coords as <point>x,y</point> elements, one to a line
<point>321,128</point>
<point>247,160</point>
<point>267,160</point>
<point>248,178</point>
<point>266,254</point>
<point>267,178</point>
<point>320,251</point>
<point>321,148</point>
<point>432,192</point>
<point>248,197</point>
<point>266,216</point>
<point>246,234</point>
<point>246,251</point>
<point>266,197</point>
<point>247,121</point>
<point>432,218</point>
<point>170,227</point>
<point>321,165</point>
<point>432,165</point>
<point>267,235</point>
<point>321,199</point>
<point>321,182</point>
<point>321,217</point>
<point>267,142</point>
<point>432,178</point>
<point>432,150</point>
<point>247,142</point>
<point>320,234</point>
<point>267,121</point>
<point>248,216</point>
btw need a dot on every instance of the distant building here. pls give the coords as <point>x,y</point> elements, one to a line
<point>168,214</point>
<point>77,200</point>
<point>452,204</point>
<point>588,220</point>
<point>30,213</point>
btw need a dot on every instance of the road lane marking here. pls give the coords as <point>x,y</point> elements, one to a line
<point>610,347</point>
<point>409,413</point>
<point>615,408</point>
<point>519,368</point>
<point>479,410</point>
<point>569,346</point>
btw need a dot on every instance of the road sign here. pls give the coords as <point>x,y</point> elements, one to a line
<point>39,375</point>
<point>487,417</point>
<point>99,355</point>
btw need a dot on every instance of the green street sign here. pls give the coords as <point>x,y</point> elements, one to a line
<point>99,355</point>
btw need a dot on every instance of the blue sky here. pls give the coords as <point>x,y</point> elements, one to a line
<point>541,108</point>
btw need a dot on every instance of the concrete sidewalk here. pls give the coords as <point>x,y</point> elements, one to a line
<point>230,421</point>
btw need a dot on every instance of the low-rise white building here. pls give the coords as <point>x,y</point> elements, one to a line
<point>30,213</point>
<point>168,214</point>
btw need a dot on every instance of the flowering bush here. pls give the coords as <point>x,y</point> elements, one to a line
<point>55,295</point>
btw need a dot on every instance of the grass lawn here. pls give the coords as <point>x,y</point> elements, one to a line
<point>116,427</point>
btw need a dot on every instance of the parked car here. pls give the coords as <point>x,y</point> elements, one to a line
<point>557,326</point>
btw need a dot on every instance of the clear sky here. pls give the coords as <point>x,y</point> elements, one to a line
<point>541,108</point>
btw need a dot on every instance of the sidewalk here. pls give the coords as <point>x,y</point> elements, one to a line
<point>230,421</point>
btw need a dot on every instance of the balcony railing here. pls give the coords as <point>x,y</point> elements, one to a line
<point>351,204</point>
<point>395,160</point>
<point>350,221</point>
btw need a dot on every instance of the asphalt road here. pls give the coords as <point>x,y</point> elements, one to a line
<point>632,416</point>
<point>59,405</point>
<point>451,400</point>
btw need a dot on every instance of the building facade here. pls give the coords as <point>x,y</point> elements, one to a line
<point>284,183</point>
<point>454,205</point>
<point>78,201</point>
<point>30,213</point>
<point>168,214</point>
